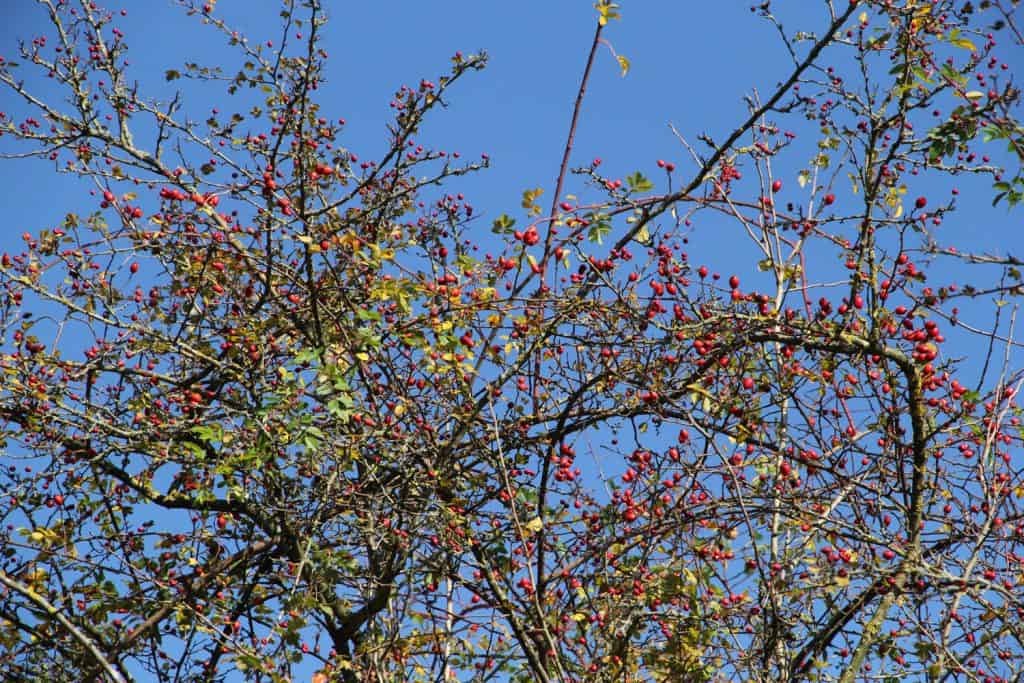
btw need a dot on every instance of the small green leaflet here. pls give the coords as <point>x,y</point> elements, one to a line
<point>638,183</point>
<point>503,224</point>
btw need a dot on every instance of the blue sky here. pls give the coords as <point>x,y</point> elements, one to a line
<point>517,110</point>
<point>692,63</point>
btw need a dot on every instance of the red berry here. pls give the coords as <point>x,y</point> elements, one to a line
<point>920,203</point>
<point>776,186</point>
<point>828,199</point>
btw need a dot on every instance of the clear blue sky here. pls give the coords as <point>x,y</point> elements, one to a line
<point>517,110</point>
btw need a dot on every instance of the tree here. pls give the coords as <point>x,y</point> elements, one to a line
<point>272,411</point>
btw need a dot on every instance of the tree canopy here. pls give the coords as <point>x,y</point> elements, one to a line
<point>273,411</point>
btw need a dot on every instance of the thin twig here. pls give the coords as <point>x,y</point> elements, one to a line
<point>567,151</point>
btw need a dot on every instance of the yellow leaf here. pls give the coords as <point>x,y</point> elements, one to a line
<point>349,239</point>
<point>382,254</point>
<point>535,525</point>
<point>643,236</point>
<point>606,10</point>
<point>974,94</point>
<point>530,197</point>
<point>44,535</point>
<point>35,579</point>
<point>863,18</point>
<point>623,64</point>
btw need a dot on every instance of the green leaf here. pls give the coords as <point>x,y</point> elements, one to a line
<point>921,74</point>
<point>952,74</point>
<point>597,232</point>
<point>956,40</point>
<point>503,224</point>
<point>307,356</point>
<point>638,183</point>
<point>208,433</point>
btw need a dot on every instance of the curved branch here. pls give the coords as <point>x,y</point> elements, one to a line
<point>77,633</point>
